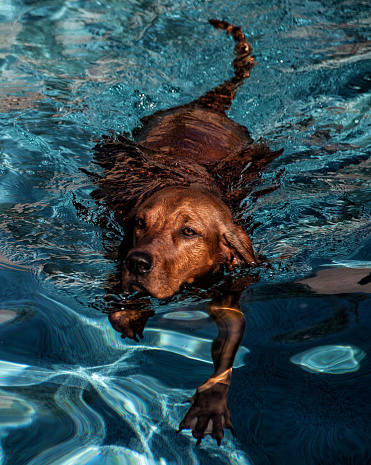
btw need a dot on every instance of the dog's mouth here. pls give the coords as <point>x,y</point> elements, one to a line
<point>135,286</point>
<point>156,284</point>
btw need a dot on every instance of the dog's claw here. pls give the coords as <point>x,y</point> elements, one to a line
<point>198,441</point>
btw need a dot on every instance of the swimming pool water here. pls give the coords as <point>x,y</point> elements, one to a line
<point>71,390</point>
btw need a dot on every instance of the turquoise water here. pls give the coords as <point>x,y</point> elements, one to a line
<point>71,390</point>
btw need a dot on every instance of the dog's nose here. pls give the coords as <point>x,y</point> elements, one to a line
<point>139,263</point>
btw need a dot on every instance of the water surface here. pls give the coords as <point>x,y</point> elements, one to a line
<point>72,391</point>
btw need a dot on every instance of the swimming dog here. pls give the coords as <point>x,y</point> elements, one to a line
<point>174,184</point>
<point>175,187</point>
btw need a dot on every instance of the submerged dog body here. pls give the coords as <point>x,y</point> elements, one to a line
<point>171,185</point>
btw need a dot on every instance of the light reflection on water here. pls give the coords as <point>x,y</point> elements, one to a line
<point>140,401</point>
<point>72,391</point>
<point>330,359</point>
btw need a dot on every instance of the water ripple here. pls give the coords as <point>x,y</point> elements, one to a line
<point>72,392</point>
<point>330,359</point>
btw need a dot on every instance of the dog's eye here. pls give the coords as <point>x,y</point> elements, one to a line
<point>189,232</point>
<point>140,223</point>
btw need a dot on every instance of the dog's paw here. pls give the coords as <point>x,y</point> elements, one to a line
<point>209,414</point>
<point>130,323</point>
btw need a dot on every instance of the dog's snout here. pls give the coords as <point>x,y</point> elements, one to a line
<point>139,263</point>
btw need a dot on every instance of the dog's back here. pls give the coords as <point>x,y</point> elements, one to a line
<point>200,130</point>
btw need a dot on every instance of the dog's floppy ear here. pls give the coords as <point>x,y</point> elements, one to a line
<point>236,246</point>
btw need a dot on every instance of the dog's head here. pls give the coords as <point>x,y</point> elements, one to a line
<point>179,235</point>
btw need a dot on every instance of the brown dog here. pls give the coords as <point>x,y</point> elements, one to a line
<point>173,189</point>
<point>171,186</point>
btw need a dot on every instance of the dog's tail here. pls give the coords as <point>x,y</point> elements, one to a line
<point>222,96</point>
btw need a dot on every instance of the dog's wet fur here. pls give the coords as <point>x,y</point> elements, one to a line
<point>175,184</point>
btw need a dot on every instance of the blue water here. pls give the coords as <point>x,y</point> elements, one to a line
<point>72,391</point>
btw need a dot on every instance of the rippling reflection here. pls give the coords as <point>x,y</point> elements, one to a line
<point>76,391</point>
<point>14,412</point>
<point>189,346</point>
<point>330,359</point>
<point>186,316</point>
<point>108,455</point>
<point>7,315</point>
<point>358,264</point>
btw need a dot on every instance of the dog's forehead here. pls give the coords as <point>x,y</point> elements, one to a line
<point>185,203</point>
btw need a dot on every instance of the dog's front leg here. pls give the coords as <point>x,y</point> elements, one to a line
<point>209,412</point>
